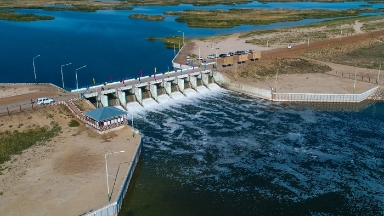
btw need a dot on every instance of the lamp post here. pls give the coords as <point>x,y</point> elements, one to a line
<point>183,36</point>
<point>378,75</point>
<point>277,73</point>
<point>354,84</point>
<point>62,77</point>
<point>106,170</point>
<point>77,83</point>
<point>33,63</point>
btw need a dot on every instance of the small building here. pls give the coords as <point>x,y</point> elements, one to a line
<point>106,119</point>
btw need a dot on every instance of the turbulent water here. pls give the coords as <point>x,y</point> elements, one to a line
<point>221,153</point>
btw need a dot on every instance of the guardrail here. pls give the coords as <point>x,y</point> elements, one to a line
<point>20,108</point>
<point>114,208</point>
<point>318,97</point>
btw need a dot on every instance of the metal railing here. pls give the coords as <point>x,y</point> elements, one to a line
<point>319,97</point>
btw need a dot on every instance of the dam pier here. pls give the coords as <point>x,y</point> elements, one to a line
<point>149,91</point>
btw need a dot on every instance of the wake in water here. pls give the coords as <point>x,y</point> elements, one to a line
<point>254,152</point>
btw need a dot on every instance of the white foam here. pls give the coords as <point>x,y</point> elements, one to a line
<point>178,96</point>
<point>213,86</point>
<point>164,99</point>
<point>190,92</point>
<point>149,102</point>
<point>202,89</point>
<point>134,107</point>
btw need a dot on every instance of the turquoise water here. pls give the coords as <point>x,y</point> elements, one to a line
<point>110,44</point>
<point>229,154</point>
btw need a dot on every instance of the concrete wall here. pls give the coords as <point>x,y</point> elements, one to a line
<point>238,87</point>
<point>153,90</point>
<point>104,100</point>
<point>122,98</point>
<point>313,97</point>
<point>193,81</point>
<point>205,79</point>
<point>180,83</point>
<point>139,95</point>
<point>168,87</point>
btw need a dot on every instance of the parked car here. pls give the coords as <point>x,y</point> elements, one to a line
<point>199,58</point>
<point>211,56</point>
<point>251,51</point>
<point>231,53</point>
<point>42,101</point>
<point>289,46</point>
<point>238,53</point>
<point>244,52</point>
<point>223,55</point>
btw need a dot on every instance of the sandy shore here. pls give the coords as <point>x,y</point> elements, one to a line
<point>66,176</point>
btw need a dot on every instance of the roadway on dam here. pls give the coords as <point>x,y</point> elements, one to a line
<point>145,79</point>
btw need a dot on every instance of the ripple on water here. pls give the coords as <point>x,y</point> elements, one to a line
<point>229,144</point>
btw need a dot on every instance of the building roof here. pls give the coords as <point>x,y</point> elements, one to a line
<point>105,113</point>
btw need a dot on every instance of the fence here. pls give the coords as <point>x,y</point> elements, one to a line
<point>21,108</point>
<point>314,97</point>
<point>369,78</point>
<point>114,208</point>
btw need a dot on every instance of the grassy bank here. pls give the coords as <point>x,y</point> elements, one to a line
<point>173,41</point>
<point>366,54</point>
<point>314,31</point>
<point>11,16</point>
<point>236,17</point>
<point>147,17</point>
<point>15,142</point>
<point>266,69</point>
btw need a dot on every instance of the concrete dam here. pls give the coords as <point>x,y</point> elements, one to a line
<point>132,96</point>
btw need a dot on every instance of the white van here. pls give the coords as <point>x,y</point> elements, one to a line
<point>44,100</point>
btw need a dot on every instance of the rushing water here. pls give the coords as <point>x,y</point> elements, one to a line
<point>229,154</point>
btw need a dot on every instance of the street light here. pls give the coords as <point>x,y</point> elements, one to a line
<point>62,77</point>
<point>183,36</point>
<point>106,170</point>
<point>34,70</point>
<point>378,75</point>
<point>77,83</point>
<point>215,57</point>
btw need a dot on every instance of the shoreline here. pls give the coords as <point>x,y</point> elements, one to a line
<point>68,168</point>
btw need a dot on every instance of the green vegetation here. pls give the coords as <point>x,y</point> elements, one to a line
<point>87,8</point>
<point>377,23</point>
<point>15,142</point>
<point>315,31</point>
<point>367,54</point>
<point>11,16</point>
<point>264,69</point>
<point>172,41</point>
<point>152,38</point>
<point>147,17</point>
<point>234,17</point>
<point>73,123</point>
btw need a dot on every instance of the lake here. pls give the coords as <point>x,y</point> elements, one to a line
<point>108,42</point>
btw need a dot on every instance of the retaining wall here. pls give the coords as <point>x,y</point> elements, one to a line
<point>239,87</point>
<point>314,97</point>
<point>114,208</point>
